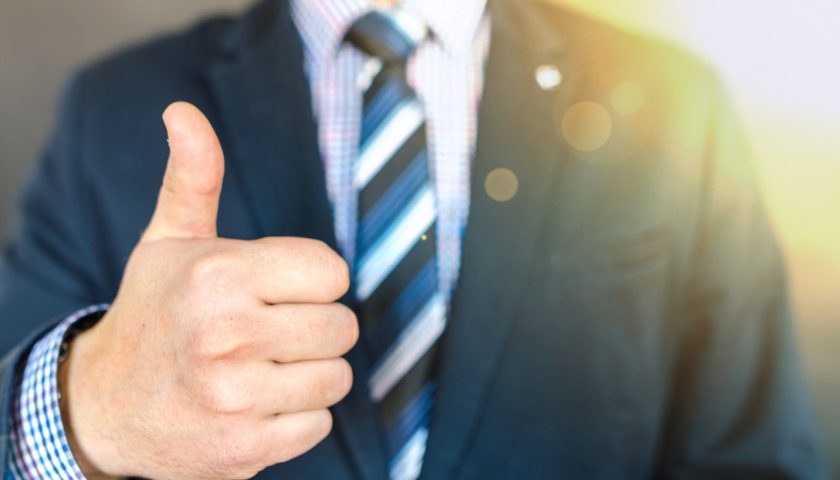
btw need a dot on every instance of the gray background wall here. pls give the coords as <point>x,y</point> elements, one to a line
<point>42,41</point>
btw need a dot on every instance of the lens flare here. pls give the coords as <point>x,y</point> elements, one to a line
<point>501,184</point>
<point>587,126</point>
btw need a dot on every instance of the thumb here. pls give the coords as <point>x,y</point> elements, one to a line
<point>189,197</point>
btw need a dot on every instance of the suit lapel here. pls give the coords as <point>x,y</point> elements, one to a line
<point>516,132</point>
<point>267,114</point>
<point>269,128</point>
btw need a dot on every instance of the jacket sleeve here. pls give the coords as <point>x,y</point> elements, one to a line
<point>739,407</point>
<point>53,263</point>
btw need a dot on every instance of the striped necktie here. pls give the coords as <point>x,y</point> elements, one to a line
<point>402,311</point>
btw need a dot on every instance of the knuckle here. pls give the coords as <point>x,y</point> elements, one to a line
<point>345,377</point>
<point>318,425</point>
<point>337,382</point>
<point>318,257</point>
<point>225,397</point>
<point>340,272</point>
<point>348,330</point>
<point>218,341</point>
<point>336,271</point>
<point>212,270</point>
<point>322,423</point>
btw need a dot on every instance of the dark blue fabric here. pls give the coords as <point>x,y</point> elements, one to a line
<point>379,36</point>
<point>405,307</point>
<point>624,316</point>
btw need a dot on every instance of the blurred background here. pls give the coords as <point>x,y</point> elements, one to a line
<point>779,60</point>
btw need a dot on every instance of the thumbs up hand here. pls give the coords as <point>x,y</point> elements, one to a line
<point>218,357</point>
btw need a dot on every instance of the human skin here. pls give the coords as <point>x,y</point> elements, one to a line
<point>218,357</point>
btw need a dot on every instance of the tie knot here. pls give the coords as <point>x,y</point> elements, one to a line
<point>391,36</point>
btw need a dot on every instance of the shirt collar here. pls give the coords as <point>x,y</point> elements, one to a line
<point>323,23</point>
<point>453,22</point>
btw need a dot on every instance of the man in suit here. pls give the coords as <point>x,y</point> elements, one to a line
<point>548,229</point>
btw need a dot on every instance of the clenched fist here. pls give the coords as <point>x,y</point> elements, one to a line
<point>218,357</point>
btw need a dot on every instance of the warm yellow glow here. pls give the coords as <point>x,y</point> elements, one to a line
<point>779,60</point>
<point>628,98</point>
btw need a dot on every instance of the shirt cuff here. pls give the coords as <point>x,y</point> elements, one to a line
<point>39,447</point>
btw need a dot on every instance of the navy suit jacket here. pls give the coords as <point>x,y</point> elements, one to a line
<point>624,316</point>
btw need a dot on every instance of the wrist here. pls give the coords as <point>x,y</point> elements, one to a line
<point>76,392</point>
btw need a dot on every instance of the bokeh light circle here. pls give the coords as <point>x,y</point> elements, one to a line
<point>587,126</point>
<point>548,77</point>
<point>501,184</point>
